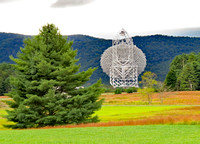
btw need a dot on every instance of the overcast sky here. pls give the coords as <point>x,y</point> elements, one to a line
<point>100,18</point>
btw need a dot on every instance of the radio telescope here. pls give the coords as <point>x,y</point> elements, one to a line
<point>123,61</point>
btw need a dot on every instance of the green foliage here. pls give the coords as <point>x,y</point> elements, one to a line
<point>149,80</point>
<point>184,73</point>
<point>188,78</point>
<point>118,90</point>
<point>131,89</point>
<point>149,84</point>
<point>46,88</point>
<point>5,72</point>
<point>171,79</point>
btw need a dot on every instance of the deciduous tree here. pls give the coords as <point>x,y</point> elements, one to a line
<point>149,83</point>
<point>149,79</point>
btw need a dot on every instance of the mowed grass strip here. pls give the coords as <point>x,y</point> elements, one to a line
<point>119,113</point>
<point>152,134</point>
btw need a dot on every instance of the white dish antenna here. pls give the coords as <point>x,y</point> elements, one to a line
<point>123,61</point>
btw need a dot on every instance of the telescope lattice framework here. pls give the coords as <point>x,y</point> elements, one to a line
<point>123,61</point>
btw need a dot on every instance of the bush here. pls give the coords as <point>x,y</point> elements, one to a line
<point>118,90</point>
<point>131,89</point>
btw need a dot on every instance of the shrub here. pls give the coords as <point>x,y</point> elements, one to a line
<point>118,90</point>
<point>131,89</point>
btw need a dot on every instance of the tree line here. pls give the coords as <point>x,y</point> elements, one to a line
<point>159,50</point>
<point>6,70</point>
<point>184,73</point>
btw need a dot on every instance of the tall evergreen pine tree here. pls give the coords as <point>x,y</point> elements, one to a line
<point>46,86</point>
<point>171,79</point>
<point>188,78</point>
<point>6,71</point>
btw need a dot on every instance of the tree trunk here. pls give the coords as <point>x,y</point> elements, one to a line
<point>149,99</point>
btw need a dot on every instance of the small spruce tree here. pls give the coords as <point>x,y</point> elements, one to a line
<point>46,89</point>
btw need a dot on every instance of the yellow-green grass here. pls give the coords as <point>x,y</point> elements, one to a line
<point>2,112</point>
<point>3,120</point>
<point>152,134</point>
<point>119,113</point>
<point>127,112</point>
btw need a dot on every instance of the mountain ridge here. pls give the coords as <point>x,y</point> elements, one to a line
<point>159,50</point>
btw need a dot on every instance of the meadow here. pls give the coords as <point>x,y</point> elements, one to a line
<point>175,120</point>
<point>164,98</point>
<point>118,109</point>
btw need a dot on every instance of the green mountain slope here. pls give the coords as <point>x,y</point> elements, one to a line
<point>159,50</point>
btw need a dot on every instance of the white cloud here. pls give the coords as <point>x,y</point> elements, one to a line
<point>101,18</point>
<point>6,1</point>
<point>65,3</point>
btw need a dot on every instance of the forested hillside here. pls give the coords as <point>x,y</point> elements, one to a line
<point>159,50</point>
<point>9,45</point>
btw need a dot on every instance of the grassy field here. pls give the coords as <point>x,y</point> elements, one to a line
<point>153,134</point>
<point>137,115</point>
<point>180,109</point>
<point>116,113</point>
<point>119,113</point>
